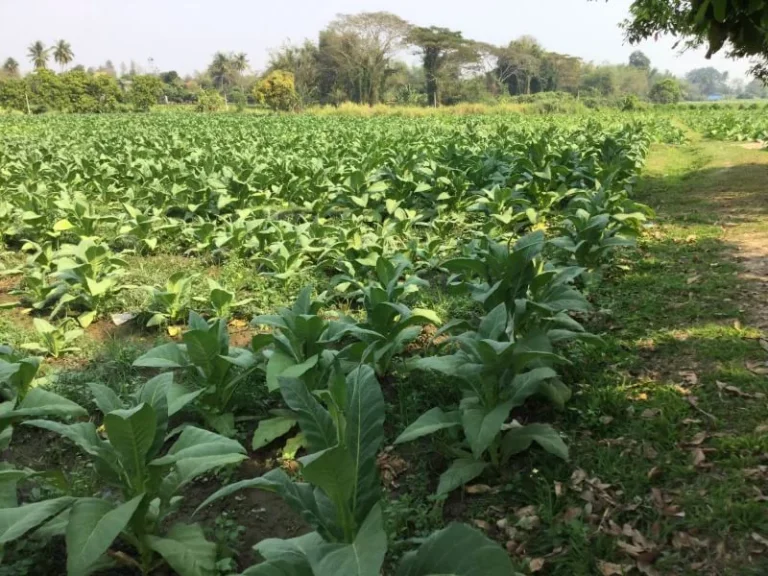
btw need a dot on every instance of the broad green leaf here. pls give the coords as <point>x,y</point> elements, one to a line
<point>314,420</point>
<point>481,427</point>
<point>520,438</point>
<point>105,398</point>
<point>459,473</point>
<point>429,423</point>
<point>333,471</point>
<point>457,550</point>
<point>16,522</point>
<point>277,364</point>
<point>40,402</point>
<point>93,525</point>
<point>165,356</point>
<point>364,557</point>
<point>132,434</point>
<point>271,429</point>
<point>196,443</point>
<point>186,550</point>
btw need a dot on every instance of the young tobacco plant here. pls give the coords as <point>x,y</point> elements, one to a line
<point>170,305</point>
<point>538,295</point>
<point>302,344</point>
<point>496,373</point>
<point>218,367</point>
<point>54,340</point>
<point>389,324</point>
<point>340,494</point>
<point>145,487</point>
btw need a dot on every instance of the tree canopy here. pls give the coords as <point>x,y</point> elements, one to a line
<point>740,27</point>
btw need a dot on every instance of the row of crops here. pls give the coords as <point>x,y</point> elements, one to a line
<point>520,216</point>
<point>729,124</point>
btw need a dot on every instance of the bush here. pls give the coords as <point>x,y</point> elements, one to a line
<point>632,103</point>
<point>145,91</point>
<point>278,91</point>
<point>210,101</point>
<point>667,91</point>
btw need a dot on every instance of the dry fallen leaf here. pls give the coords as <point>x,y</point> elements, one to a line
<point>606,419</point>
<point>699,457</point>
<point>698,439</point>
<point>760,539</point>
<point>762,429</point>
<point>654,472</point>
<point>478,489</point>
<point>536,565</point>
<point>693,279</point>
<point>650,413</point>
<point>571,514</point>
<point>608,569</point>
<point>689,377</point>
<point>559,489</point>
<point>482,524</point>
<point>759,368</point>
<point>723,387</point>
<point>650,453</point>
<point>764,344</point>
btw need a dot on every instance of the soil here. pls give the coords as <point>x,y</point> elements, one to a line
<point>752,253</point>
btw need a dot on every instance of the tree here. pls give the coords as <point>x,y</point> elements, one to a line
<point>370,40</point>
<point>11,67</point>
<point>240,62</point>
<point>277,90</point>
<point>715,23</point>
<point>144,91</point>
<point>304,62</point>
<point>435,45</point>
<point>708,80</point>
<point>62,53</point>
<point>38,55</point>
<point>639,60</point>
<point>222,71</point>
<point>523,59</point>
<point>666,91</point>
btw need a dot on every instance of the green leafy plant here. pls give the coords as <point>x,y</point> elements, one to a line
<point>91,274</point>
<point>303,344</point>
<point>17,373</point>
<point>145,486</point>
<point>170,305</point>
<point>497,373</point>
<point>389,324</point>
<point>340,495</point>
<point>220,301</point>
<point>55,341</point>
<point>217,367</point>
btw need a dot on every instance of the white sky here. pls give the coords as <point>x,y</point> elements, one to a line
<point>183,35</point>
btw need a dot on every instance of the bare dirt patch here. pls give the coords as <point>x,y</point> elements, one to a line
<point>752,253</point>
<point>753,145</point>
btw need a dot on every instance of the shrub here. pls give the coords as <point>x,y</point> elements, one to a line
<point>144,92</point>
<point>278,91</point>
<point>210,101</point>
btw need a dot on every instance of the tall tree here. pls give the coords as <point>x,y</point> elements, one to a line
<point>370,41</point>
<point>708,80</point>
<point>222,71</point>
<point>303,61</point>
<point>62,53</point>
<point>638,59</point>
<point>38,55</point>
<point>716,23</point>
<point>11,67</point>
<point>436,45</point>
<point>240,62</point>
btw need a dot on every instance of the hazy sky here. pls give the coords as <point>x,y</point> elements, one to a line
<point>183,35</point>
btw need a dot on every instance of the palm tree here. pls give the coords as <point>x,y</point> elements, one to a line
<point>11,67</point>
<point>62,53</point>
<point>38,55</point>
<point>240,62</point>
<point>221,70</point>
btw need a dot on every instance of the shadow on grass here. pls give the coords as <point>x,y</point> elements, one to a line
<point>732,194</point>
